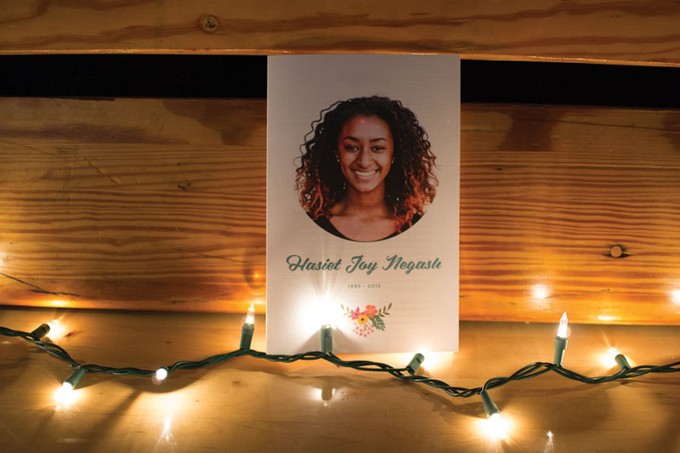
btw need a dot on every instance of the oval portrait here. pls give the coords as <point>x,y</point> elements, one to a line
<point>366,170</point>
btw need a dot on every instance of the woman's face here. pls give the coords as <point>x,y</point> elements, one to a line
<point>365,152</point>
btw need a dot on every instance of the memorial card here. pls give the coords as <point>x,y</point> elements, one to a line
<point>362,202</point>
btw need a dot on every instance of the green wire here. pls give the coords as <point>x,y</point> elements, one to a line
<point>529,371</point>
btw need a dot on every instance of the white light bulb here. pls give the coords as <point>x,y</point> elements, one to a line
<point>161,374</point>
<point>609,358</point>
<point>65,396</point>
<point>561,339</point>
<point>499,425</point>
<point>496,427</point>
<point>563,328</point>
<point>327,311</point>
<point>56,329</point>
<point>250,316</point>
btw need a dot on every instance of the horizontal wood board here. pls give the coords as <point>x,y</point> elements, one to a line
<point>645,33</point>
<point>255,405</point>
<point>157,204</point>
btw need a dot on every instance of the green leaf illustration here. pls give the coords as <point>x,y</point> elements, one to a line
<point>378,322</point>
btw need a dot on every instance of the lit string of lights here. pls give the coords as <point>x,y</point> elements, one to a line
<point>407,373</point>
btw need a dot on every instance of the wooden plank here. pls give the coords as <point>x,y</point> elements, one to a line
<point>134,204</point>
<point>254,405</point>
<point>160,204</point>
<point>587,31</point>
<point>546,192</point>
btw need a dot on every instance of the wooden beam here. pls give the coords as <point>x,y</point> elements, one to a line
<point>600,31</point>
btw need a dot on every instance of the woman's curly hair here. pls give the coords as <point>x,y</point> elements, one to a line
<point>409,186</point>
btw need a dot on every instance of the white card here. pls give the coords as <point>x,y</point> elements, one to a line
<point>362,202</point>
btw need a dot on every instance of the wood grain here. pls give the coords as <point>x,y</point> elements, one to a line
<point>136,204</point>
<point>160,205</point>
<point>587,31</point>
<point>546,191</point>
<point>253,405</point>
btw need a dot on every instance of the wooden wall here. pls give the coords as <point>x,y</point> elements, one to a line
<point>160,204</point>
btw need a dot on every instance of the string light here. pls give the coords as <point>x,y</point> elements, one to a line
<point>622,362</point>
<point>489,406</point>
<point>248,328</point>
<point>561,339</point>
<point>74,379</point>
<point>326,334</point>
<point>161,374</point>
<point>65,397</point>
<point>497,425</point>
<point>415,363</point>
<point>609,358</point>
<point>40,331</point>
<point>56,329</point>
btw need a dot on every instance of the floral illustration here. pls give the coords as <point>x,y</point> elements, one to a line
<point>368,320</point>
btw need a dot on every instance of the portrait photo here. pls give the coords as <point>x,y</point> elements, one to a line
<point>366,171</point>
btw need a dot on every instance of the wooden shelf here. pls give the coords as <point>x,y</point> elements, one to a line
<point>253,405</point>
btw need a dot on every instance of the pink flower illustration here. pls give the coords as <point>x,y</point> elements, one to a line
<point>369,320</point>
<point>355,313</point>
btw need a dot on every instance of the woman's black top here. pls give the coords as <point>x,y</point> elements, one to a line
<point>325,223</point>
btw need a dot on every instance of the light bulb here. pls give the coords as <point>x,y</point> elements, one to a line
<point>250,315</point>
<point>248,329</point>
<point>496,426</point>
<point>326,334</point>
<point>56,329</point>
<point>563,328</point>
<point>561,339</point>
<point>40,331</point>
<point>609,358</point>
<point>74,379</point>
<point>65,396</point>
<point>489,406</point>
<point>415,363</point>
<point>161,374</point>
<point>622,362</point>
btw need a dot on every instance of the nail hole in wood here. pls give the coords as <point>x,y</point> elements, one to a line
<point>209,23</point>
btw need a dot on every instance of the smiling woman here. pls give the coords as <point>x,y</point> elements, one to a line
<point>366,172</point>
